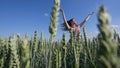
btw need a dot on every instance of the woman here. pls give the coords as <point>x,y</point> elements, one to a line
<point>71,24</point>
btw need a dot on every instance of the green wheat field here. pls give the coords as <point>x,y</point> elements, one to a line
<point>102,51</point>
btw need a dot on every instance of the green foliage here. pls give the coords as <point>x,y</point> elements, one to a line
<point>41,53</point>
<point>14,60</point>
<point>54,19</point>
<point>108,46</point>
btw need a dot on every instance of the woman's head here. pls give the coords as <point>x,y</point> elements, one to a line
<point>71,23</point>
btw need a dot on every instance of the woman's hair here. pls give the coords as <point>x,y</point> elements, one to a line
<point>64,26</point>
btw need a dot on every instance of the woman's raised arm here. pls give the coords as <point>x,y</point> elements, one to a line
<point>64,18</point>
<point>86,19</point>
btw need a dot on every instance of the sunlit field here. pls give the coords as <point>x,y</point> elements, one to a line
<point>102,51</point>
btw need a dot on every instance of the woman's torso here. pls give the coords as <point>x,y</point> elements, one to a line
<point>75,31</point>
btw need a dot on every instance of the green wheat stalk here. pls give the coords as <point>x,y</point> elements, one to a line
<point>54,19</point>
<point>14,61</point>
<point>25,54</point>
<point>53,27</point>
<point>108,47</point>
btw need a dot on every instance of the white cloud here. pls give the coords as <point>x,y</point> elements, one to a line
<point>96,32</point>
<point>115,26</point>
<point>46,14</point>
<point>93,34</point>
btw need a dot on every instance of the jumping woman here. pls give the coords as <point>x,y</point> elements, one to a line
<point>71,24</point>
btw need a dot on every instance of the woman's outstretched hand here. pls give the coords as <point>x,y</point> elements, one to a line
<point>91,13</point>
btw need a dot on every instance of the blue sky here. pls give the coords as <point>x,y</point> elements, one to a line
<point>21,16</point>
